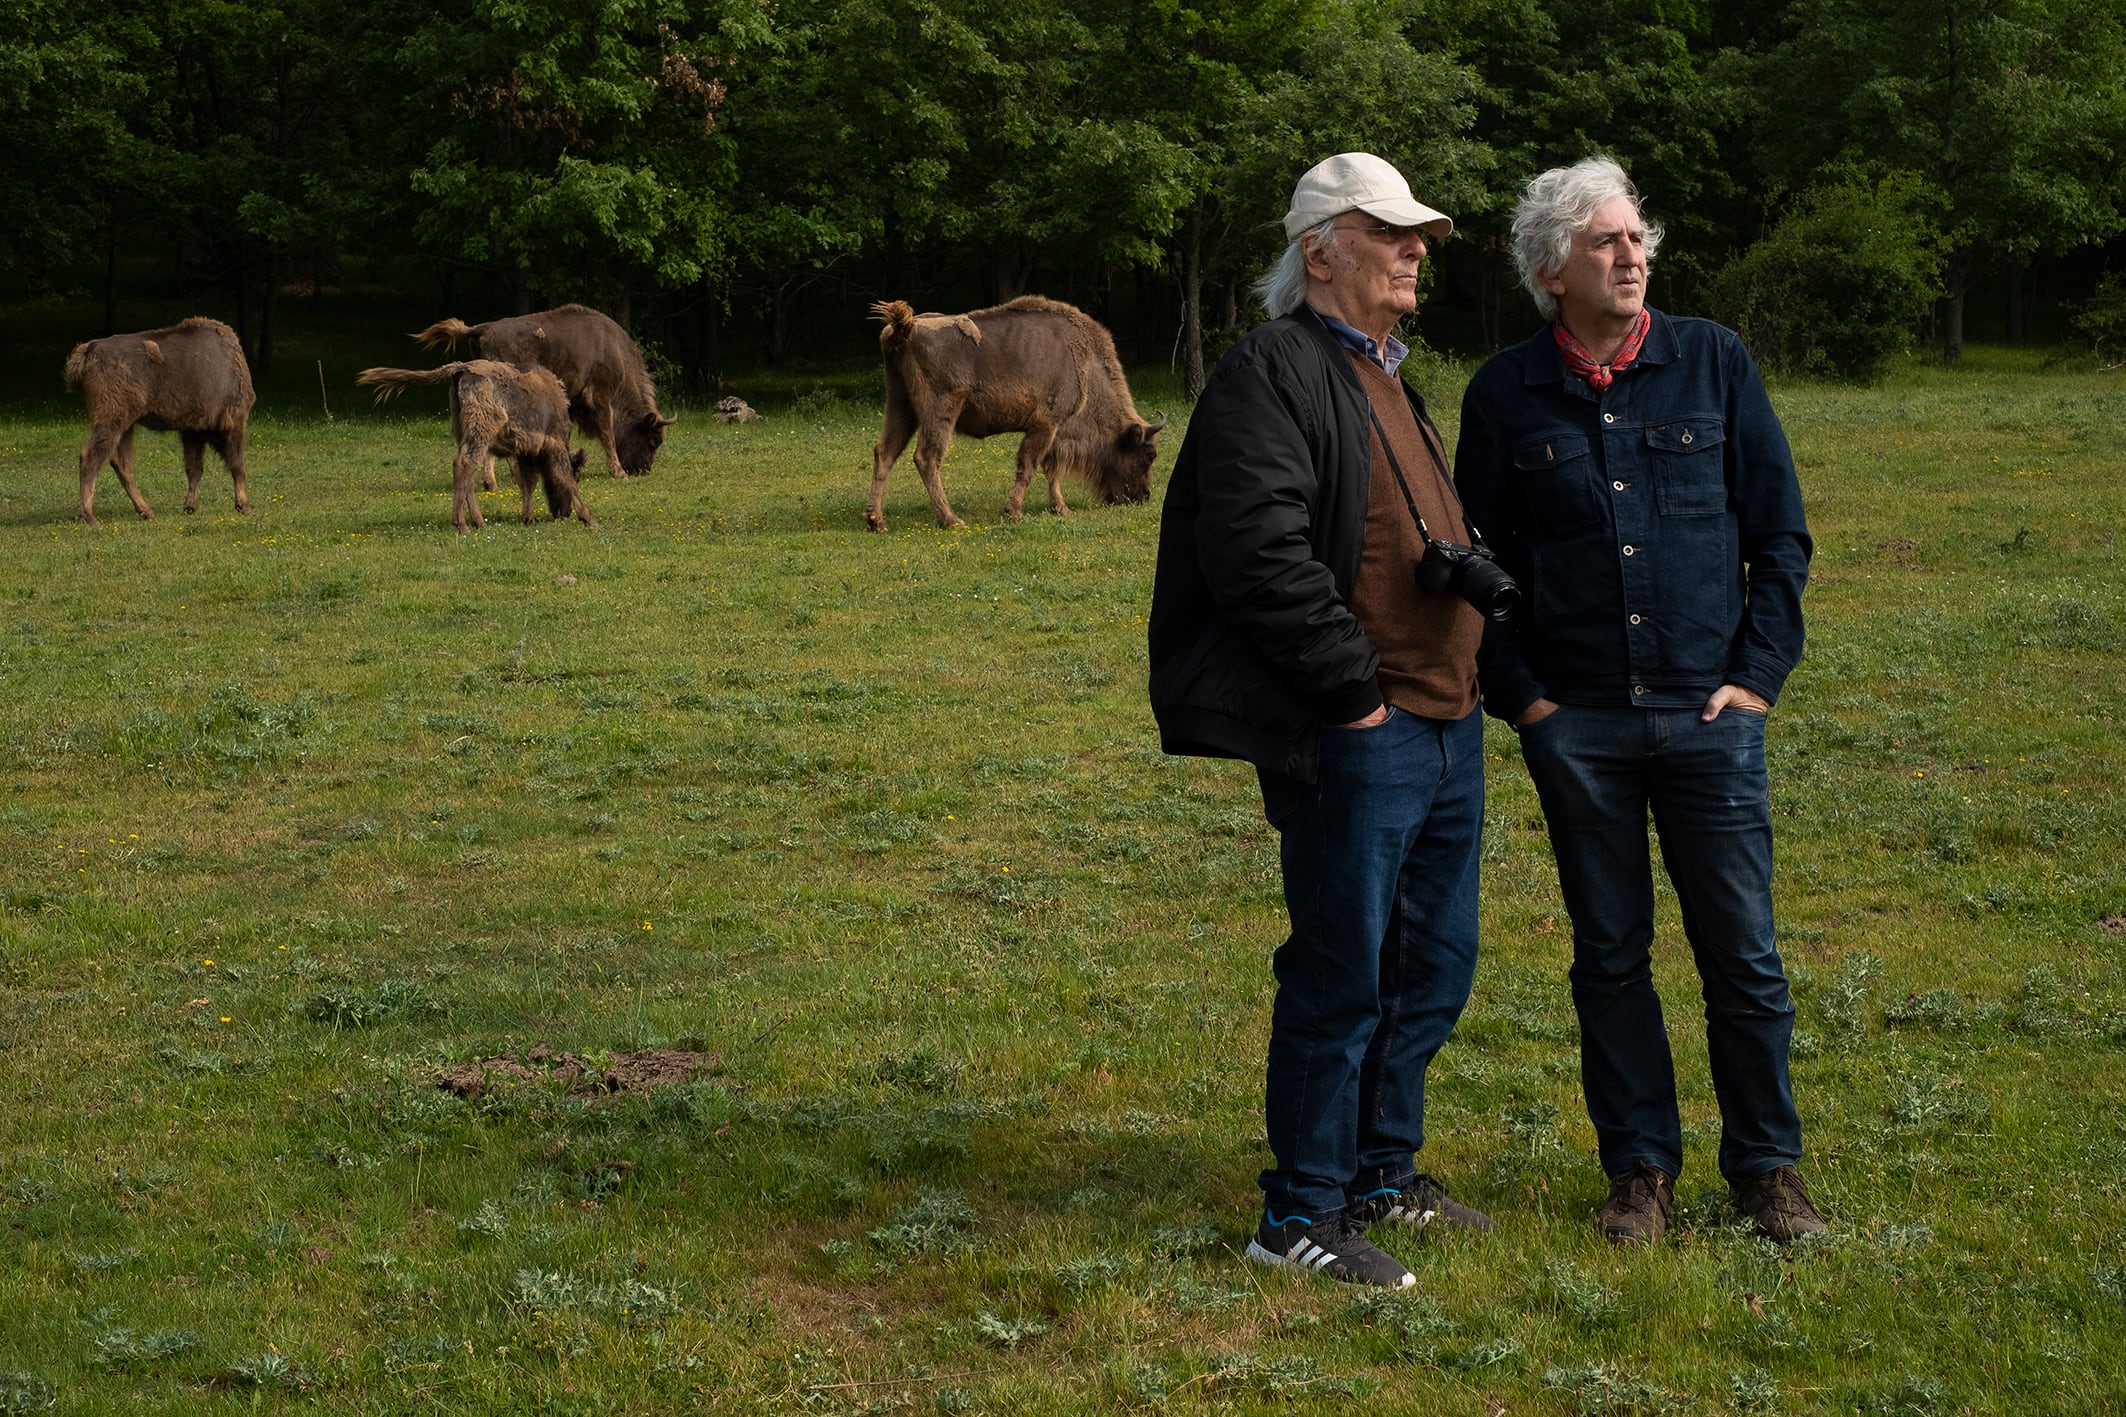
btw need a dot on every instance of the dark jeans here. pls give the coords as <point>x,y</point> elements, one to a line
<point>1380,867</point>
<point>1598,770</point>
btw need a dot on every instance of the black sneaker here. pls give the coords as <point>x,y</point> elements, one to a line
<point>1422,1201</point>
<point>1335,1245</point>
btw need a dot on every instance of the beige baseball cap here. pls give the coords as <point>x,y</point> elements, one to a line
<point>1359,182</point>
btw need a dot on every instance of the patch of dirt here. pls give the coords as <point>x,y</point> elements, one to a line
<point>2115,923</point>
<point>1904,551</point>
<point>644,1070</point>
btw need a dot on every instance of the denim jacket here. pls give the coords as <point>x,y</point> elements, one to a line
<point>1656,528</point>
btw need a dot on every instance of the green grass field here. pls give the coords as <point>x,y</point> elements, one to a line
<point>301,808</point>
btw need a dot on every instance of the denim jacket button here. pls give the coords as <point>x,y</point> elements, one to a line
<point>1638,688</point>
<point>1609,418</point>
<point>1631,550</point>
<point>1636,618</point>
<point>1620,486</point>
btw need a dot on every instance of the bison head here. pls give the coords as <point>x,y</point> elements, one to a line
<point>1126,475</point>
<point>637,440</point>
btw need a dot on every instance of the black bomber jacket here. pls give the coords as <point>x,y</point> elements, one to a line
<point>1253,643</point>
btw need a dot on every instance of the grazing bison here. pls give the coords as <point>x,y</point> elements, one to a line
<point>1034,366</point>
<point>189,379</point>
<point>499,410</point>
<point>610,394</point>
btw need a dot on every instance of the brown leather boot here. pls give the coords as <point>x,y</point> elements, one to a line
<point>1636,1212</point>
<point>1778,1205</point>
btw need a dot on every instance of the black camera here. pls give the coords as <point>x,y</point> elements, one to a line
<point>1470,572</point>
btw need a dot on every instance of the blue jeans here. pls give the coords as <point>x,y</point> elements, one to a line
<point>1380,869</point>
<point>1598,770</point>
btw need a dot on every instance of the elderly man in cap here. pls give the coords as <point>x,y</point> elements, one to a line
<point>1288,629</point>
<point>1632,470</point>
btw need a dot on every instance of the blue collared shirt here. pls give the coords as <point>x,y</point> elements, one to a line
<point>1388,356</point>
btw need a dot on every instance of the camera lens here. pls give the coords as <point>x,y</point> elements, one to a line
<point>1489,589</point>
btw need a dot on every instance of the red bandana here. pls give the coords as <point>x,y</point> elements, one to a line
<point>1580,362</point>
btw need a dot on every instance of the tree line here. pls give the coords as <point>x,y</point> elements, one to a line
<point>1836,176</point>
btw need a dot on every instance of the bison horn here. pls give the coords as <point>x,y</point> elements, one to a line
<point>663,422</point>
<point>1155,427</point>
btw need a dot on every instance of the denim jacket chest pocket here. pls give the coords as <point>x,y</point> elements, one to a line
<point>1554,484</point>
<point>1689,467</point>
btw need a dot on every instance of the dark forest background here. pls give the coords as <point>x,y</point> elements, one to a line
<point>736,180</point>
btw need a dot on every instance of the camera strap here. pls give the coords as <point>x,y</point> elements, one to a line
<point>1395,466</point>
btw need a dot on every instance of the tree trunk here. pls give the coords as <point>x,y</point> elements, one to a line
<point>2018,302</point>
<point>268,307</point>
<point>711,341</point>
<point>1192,379</point>
<point>1013,271</point>
<point>1952,316</point>
<point>243,305</point>
<point>110,274</point>
<point>1490,298</point>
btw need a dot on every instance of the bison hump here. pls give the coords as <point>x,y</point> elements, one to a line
<point>154,351</point>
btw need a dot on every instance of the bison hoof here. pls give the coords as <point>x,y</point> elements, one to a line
<point>874,521</point>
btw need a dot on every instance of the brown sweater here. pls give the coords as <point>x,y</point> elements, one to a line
<point>1427,641</point>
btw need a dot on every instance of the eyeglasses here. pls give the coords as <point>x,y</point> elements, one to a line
<point>1381,231</point>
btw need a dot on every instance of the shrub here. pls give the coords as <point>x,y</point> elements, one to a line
<point>1842,281</point>
<point>2101,319</point>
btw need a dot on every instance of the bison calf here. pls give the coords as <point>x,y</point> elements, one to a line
<point>610,393</point>
<point>1033,366</point>
<point>189,379</point>
<point>499,410</point>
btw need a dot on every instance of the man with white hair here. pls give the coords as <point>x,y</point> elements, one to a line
<point>1631,473</point>
<point>1288,629</point>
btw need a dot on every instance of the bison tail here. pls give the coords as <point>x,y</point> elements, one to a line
<point>898,317</point>
<point>77,365</point>
<point>390,381</point>
<point>444,332</point>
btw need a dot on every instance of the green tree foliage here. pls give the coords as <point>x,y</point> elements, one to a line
<point>680,161</point>
<point>1562,79</point>
<point>575,147</point>
<point>70,103</point>
<point>2013,110</point>
<point>1842,282</point>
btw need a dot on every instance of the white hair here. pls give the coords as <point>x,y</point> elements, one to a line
<point>1557,206</point>
<point>1283,288</point>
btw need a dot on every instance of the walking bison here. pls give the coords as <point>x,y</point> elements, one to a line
<point>189,379</point>
<point>610,393</point>
<point>499,410</point>
<point>1034,366</point>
